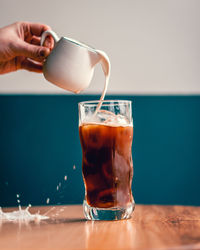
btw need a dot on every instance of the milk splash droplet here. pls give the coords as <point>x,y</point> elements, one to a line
<point>21,215</point>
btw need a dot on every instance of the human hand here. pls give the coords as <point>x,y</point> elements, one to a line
<point>20,47</point>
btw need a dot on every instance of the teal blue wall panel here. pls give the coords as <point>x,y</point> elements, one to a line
<point>39,145</point>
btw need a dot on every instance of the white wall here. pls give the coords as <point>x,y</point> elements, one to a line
<point>153,45</point>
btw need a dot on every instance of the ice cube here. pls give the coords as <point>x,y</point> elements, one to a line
<point>108,118</point>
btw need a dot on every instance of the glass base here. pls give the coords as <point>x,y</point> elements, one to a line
<point>115,213</point>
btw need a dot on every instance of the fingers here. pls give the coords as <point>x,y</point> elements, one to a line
<point>49,42</point>
<point>35,40</point>
<point>31,66</point>
<point>33,32</point>
<point>35,28</point>
<point>37,53</point>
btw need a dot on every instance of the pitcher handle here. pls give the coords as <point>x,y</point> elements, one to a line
<point>49,33</point>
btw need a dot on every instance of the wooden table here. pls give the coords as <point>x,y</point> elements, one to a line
<point>151,227</point>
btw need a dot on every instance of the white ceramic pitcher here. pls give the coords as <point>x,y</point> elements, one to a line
<point>70,65</point>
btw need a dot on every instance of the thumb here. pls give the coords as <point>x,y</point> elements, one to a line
<point>35,52</point>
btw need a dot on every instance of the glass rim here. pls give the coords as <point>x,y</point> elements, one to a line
<point>105,102</point>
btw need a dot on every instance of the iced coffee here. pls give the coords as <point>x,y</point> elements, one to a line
<point>106,141</point>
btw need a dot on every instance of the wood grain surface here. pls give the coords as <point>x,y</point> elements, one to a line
<point>151,227</point>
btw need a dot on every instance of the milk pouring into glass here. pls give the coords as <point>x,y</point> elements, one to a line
<point>105,129</point>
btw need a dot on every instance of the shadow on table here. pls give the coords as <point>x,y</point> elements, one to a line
<point>64,220</point>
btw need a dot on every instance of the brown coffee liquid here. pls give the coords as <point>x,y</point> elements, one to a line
<point>107,164</point>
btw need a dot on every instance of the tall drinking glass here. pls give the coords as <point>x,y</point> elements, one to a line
<point>106,135</point>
